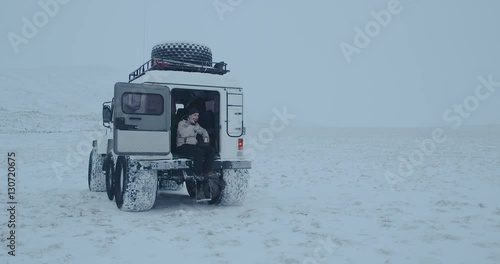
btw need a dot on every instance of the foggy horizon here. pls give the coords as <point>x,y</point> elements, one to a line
<point>425,59</point>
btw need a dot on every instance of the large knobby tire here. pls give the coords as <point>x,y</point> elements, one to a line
<point>184,52</point>
<point>96,178</point>
<point>135,190</point>
<point>110,176</point>
<point>231,187</point>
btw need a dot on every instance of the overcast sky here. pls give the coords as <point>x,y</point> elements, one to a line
<point>427,58</point>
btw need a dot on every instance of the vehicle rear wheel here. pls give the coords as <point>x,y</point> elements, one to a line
<point>230,188</point>
<point>135,190</point>
<point>184,52</point>
<point>96,178</point>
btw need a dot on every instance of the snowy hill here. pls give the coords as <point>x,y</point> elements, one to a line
<point>316,195</point>
<point>43,100</point>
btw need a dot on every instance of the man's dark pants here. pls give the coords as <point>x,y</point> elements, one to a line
<point>203,157</point>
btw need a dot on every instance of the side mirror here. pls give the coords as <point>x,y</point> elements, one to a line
<point>106,114</point>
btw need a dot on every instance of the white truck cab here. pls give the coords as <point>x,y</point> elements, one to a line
<point>136,156</point>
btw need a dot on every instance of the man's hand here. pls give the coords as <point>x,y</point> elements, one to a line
<point>191,120</point>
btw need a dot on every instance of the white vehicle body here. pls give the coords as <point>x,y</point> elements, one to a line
<point>231,112</point>
<point>140,139</point>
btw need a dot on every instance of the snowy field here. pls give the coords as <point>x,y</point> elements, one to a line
<point>317,195</point>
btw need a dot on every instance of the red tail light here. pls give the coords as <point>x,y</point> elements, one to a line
<point>240,144</point>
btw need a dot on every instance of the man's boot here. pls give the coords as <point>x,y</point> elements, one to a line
<point>203,192</point>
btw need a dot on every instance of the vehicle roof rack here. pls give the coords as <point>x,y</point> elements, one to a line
<point>219,68</point>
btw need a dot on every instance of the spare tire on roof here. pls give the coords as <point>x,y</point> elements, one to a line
<point>184,52</point>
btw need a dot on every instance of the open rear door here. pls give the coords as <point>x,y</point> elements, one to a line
<point>141,119</point>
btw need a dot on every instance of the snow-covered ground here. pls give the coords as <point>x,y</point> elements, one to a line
<point>317,195</point>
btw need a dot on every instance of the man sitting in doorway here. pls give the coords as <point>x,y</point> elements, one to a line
<point>189,145</point>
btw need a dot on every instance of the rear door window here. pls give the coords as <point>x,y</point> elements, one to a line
<point>142,104</point>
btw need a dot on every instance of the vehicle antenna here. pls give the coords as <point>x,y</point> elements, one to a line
<point>144,30</point>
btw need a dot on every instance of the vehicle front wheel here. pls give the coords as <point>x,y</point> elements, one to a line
<point>135,190</point>
<point>96,177</point>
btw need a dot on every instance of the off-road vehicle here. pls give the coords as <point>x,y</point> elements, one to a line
<point>136,155</point>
